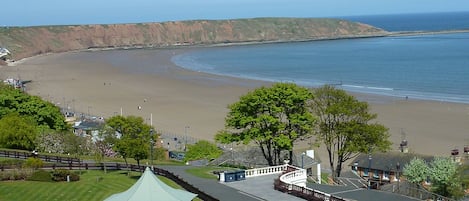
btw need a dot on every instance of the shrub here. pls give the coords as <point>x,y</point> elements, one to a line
<point>16,174</point>
<point>41,175</point>
<point>12,163</point>
<point>61,175</point>
<point>34,163</point>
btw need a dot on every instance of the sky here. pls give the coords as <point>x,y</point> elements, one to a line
<point>71,12</point>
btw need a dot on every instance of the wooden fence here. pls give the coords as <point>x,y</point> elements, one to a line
<point>303,192</point>
<point>76,164</point>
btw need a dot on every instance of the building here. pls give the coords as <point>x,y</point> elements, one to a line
<point>87,128</point>
<point>307,160</point>
<point>383,168</point>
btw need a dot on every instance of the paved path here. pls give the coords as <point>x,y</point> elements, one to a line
<point>261,187</point>
<point>211,186</point>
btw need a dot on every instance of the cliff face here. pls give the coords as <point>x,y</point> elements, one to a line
<point>29,41</point>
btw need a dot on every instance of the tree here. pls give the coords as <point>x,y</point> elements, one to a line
<point>17,132</point>
<point>416,171</point>
<point>274,118</point>
<point>345,126</point>
<point>202,150</point>
<point>103,144</point>
<point>43,112</point>
<point>132,137</point>
<point>462,175</point>
<point>50,141</point>
<point>444,177</point>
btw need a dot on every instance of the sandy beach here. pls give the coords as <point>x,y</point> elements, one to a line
<point>181,101</point>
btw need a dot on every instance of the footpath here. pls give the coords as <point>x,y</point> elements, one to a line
<point>211,186</point>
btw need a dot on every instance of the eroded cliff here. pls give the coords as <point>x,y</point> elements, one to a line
<point>29,41</point>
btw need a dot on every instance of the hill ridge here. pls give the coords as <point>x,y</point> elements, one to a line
<point>30,41</point>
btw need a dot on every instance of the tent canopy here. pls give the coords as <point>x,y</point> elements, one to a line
<point>150,188</point>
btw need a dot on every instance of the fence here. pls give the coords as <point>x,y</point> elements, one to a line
<point>47,158</point>
<point>76,164</point>
<point>304,192</point>
<point>419,193</point>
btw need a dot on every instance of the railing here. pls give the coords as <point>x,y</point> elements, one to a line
<point>294,182</point>
<point>47,158</point>
<point>296,177</point>
<point>304,192</point>
<point>266,171</point>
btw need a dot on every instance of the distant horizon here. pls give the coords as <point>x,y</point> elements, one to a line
<point>53,12</point>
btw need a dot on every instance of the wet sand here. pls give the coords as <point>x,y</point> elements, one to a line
<point>181,101</point>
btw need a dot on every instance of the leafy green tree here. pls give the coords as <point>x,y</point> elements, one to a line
<point>17,132</point>
<point>416,171</point>
<point>43,112</point>
<point>274,118</point>
<point>345,126</point>
<point>202,150</point>
<point>132,137</point>
<point>444,177</point>
<point>463,176</point>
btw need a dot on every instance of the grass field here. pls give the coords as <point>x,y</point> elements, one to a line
<point>87,189</point>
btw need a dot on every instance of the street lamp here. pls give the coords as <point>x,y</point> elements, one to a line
<point>185,137</point>
<point>151,147</point>
<point>369,168</point>
<point>398,167</point>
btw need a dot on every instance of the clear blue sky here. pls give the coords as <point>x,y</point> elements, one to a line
<point>64,12</point>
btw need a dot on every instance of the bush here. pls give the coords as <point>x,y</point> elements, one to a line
<point>41,175</point>
<point>12,163</point>
<point>34,163</point>
<point>234,166</point>
<point>16,174</point>
<point>61,175</point>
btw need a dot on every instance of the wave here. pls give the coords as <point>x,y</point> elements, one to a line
<point>367,87</point>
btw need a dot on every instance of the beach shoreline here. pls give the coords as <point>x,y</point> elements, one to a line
<point>180,101</point>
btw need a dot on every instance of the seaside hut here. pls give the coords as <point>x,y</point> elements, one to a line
<point>150,188</point>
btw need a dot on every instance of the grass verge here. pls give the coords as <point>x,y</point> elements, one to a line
<point>93,185</point>
<point>207,172</point>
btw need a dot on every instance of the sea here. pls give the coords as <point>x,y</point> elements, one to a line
<point>426,67</point>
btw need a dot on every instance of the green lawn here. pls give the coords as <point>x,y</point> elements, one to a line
<point>87,189</point>
<point>207,172</point>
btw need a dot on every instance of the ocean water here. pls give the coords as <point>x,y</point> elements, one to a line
<point>430,67</point>
<point>416,22</point>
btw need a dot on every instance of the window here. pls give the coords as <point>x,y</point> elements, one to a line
<point>376,174</point>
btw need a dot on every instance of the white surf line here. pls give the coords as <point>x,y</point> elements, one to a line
<point>252,196</point>
<point>352,190</point>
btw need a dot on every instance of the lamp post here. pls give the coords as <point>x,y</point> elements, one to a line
<point>369,168</point>
<point>151,147</point>
<point>185,137</point>
<point>398,168</point>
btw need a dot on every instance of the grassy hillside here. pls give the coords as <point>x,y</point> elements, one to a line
<point>29,41</point>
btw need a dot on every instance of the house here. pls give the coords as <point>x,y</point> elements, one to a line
<point>382,168</point>
<point>87,128</point>
<point>307,160</point>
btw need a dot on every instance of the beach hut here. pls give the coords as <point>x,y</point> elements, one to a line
<point>150,188</point>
